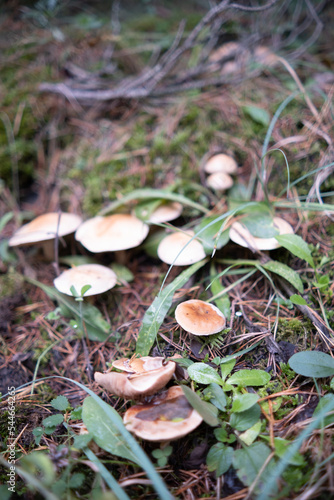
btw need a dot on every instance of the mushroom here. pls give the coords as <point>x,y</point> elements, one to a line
<point>44,229</point>
<point>164,212</point>
<point>112,233</point>
<point>154,374</point>
<point>219,181</point>
<point>101,279</point>
<point>174,244</point>
<point>240,235</point>
<point>167,417</point>
<point>199,317</point>
<point>221,163</point>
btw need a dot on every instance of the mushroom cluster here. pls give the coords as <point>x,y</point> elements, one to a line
<point>167,415</point>
<point>219,169</point>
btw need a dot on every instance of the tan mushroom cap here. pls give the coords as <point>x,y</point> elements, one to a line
<point>199,317</point>
<point>219,181</point>
<point>100,278</point>
<point>174,243</point>
<point>45,227</point>
<point>167,417</point>
<point>140,364</point>
<point>166,212</point>
<point>221,163</point>
<point>139,384</point>
<point>240,235</point>
<point>111,233</point>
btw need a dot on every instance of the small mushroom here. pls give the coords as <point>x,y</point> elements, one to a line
<point>240,235</point>
<point>199,317</point>
<point>167,417</point>
<point>174,244</point>
<point>101,279</point>
<point>44,229</point>
<point>219,181</point>
<point>164,212</point>
<point>221,163</point>
<point>154,375</point>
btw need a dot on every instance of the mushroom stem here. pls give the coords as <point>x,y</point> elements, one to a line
<point>48,248</point>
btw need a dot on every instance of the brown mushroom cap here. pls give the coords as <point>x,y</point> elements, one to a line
<point>167,417</point>
<point>138,384</point>
<point>45,227</point>
<point>139,365</point>
<point>199,317</point>
<point>219,181</point>
<point>221,163</point>
<point>101,279</point>
<point>171,246</point>
<point>111,233</point>
<point>240,235</point>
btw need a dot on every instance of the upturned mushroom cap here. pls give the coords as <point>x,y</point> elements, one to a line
<point>167,417</point>
<point>172,244</point>
<point>219,181</point>
<point>199,317</point>
<point>111,233</point>
<point>240,235</point>
<point>45,227</point>
<point>221,163</point>
<point>100,278</point>
<point>139,384</point>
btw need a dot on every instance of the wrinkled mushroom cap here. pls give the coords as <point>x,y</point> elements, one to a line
<point>219,181</point>
<point>137,385</point>
<point>199,317</point>
<point>171,245</point>
<point>240,235</point>
<point>100,278</point>
<point>167,417</point>
<point>111,233</point>
<point>221,163</point>
<point>45,227</point>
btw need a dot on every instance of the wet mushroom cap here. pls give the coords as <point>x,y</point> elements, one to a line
<point>167,417</point>
<point>220,181</point>
<point>170,247</point>
<point>240,235</point>
<point>45,227</point>
<point>221,163</point>
<point>136,385</point>
<point>199,317</point>
<point>111,233</point>
<point>101,279</point>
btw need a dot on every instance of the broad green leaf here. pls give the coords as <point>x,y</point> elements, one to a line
<point>82,440</point>
<point>281,448</point>
<point>97,327</point>
<point>53,420</point>
<point>219,458</point>
<point>260,225</point>
<point>249,377</point>
<point>248,437</point>
<point>248,462</point>
<point>245,419</point>
<point>226,368</point>
<point>258,115</point>
<point>297,246</point>
<point>60,403</point>
<point>242,402</point>
<point>285,272</point>
<point>157,311</point>
<point>104,431</point>
<point>149,193</point>
<point>298,300</point>
<point>207,411</point>
<point>312,364</point>
<point>204,374</point>
<point>217,396</point>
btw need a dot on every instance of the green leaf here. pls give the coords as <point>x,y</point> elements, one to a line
<point>144,209</point>
<point>327,420</point>
<point>76,480</point>
<point>281,448</point>
<point>227,367</point>
<point>260,225</point>
<point>245,419</point>
<point>217,396</point>
<point>249,461</point>
<point>38,433</point>
<point>82,440</point>
<point>298,300</point>
<point>76,414</point>
<point>245,378</point>
<point>60,403</point>
<point>223,302</point>
<point>85,289</point>
<point>312,364</point>
<point>208,235</point>
<point>207,411</point>
<point>123,273</point>
<point>204,374</point>
<point>5,219</point>
<point>297,246</point>
<point>258,115</point>
<point>53,421</point>
<point>249,436</point>
<point>104,431</point>
<point>242,402</point>
<point>157,311</point>
<point>219,458</point>
<point>285,272</point>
